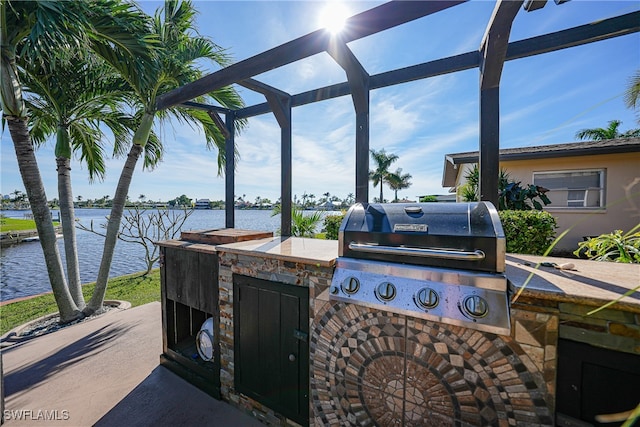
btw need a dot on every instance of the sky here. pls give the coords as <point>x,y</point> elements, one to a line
<point>544,100</point>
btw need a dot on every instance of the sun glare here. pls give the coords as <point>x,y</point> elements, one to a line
<point>333,17</point>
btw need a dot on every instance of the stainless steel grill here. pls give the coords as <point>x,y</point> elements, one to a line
<point>438,261</point>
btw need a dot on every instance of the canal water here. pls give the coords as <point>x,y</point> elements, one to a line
<point>23,271</point>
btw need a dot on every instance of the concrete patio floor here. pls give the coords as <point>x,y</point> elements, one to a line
<point>105,372</point>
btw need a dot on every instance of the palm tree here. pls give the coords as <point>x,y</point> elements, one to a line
<point>350,199</point>
<point>633,91</point>
<point>31,33</point>
<point>381,173</point>
<point>177,63</point>
<point>71,102</point>
<point>611,132</point>
<point>398,181</point>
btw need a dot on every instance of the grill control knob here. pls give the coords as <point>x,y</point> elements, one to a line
<point>350,286</point>
<point>426,298</point>
<point>475,306</point>
<point>385,291</point>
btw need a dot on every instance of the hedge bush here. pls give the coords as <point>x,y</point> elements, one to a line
<point>528,232</point>
<point>332,226</point>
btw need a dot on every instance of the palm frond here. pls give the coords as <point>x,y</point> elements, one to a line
<point>226,96</point>
<point>38,28</point>
<point>80,93</point>
<point>41,124</point>
<point>599,134</point>
<point>632,94</point>
<point>153,151</point>
<point>202,47</point>
<point>86,139</point>
<point>122,127</point>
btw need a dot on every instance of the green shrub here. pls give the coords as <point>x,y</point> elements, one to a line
<point>301,225</point>
<point>304,225</point>
<point>469,191</point>
<point>518,198</point>
<point>511,195</point>
<point>428,199</point>
<point>616,247</point>
<point>528,232</point>
<point>332,226</point>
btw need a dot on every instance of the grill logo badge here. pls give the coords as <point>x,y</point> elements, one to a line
<point>410,227</point>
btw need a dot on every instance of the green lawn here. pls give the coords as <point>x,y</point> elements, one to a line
<point>135,288</point>
<point>15,224</point>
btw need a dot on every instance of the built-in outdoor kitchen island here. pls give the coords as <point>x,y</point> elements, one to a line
<point>283,340</point>
<point>289,354</point>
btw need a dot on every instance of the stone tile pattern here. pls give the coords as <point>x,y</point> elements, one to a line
<point>377,368</point>
<point>536,330</point>
<point>315,277</point>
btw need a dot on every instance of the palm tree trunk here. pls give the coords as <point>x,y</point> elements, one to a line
<point>113,228</point>
<point>117,208</point>
<point>37,198</point>
<point>67,215</point>
<point>119,199</point>
<point>381,182</point>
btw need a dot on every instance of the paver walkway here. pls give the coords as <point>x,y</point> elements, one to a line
<point>105,372</point>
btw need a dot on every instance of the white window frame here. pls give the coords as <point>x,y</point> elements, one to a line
<point>576,202</point>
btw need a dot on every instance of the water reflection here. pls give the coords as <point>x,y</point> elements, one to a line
<point>23,271</point>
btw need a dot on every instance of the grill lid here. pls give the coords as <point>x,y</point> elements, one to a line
<point>453,235</point>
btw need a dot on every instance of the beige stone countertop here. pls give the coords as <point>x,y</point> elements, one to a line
<point>295,249</point>
<point>591,283</point>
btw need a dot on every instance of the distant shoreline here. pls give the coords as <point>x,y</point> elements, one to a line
<point>248,208</point>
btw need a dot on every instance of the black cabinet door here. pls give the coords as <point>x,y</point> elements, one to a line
<point>271,327</point>
<point>594,381</point>
<point>191,278</point>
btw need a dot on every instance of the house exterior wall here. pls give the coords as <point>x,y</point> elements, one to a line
<point>622,193</point>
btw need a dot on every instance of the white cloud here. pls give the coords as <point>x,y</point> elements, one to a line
<point>543,100</point>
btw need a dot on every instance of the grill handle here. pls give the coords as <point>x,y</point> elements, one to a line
<point>476,255</point>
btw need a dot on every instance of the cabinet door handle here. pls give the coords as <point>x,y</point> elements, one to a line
<point>292,357</point>
<point>300,335</point>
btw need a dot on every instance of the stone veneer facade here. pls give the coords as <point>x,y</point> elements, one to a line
<point>616,330</point>
<point>314,277</point>
<point>376,368</point>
